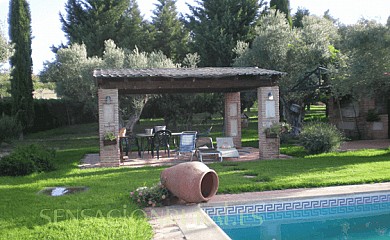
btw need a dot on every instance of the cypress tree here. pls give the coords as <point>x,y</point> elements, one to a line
<point>92,22</point>
<point>282,6</point>
<point>133,30</point>
<point>21,62</point>
<point>217,25</point>
<point>170,35</point>
<point>298,17</point>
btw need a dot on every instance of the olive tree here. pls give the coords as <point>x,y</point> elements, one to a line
<point>72,72</point>
<point>5,47</point>
<point>5,53</point>
<point>367,49</point>
<point>296,51</point>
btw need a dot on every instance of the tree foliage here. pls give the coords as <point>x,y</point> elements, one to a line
<point>217,25</point>
<point>170,35</point>
<point>5,47</point>
<point>298,17</point>
<point>284,7</point>
<point>72,72</point>
<point>295,51</point>
<point>133,31</point>
<point>21,62</point>
<point>91,22</point>
<point>367,47</point>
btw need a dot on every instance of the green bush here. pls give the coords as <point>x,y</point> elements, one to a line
<point>320,137</point>
<point>25,160</point>
<point>9,128</point>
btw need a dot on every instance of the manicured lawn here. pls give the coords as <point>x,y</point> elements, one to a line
<point>104,211</point>
<point>353,167</point>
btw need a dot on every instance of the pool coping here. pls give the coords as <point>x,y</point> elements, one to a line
<point>191,222</point>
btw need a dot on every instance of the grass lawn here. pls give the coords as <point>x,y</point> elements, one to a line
<point>104,211</point>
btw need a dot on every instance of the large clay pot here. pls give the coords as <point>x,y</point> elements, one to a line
<point>192,182</point>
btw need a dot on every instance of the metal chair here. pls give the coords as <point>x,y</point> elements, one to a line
<point>187,144</point>
<point>161,140</point>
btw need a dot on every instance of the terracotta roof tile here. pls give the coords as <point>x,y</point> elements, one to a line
<point>185,72</point>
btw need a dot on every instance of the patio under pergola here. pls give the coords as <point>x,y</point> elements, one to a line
<point>228,80</point>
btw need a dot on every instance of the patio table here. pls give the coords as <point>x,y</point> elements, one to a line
<point>140,139</point>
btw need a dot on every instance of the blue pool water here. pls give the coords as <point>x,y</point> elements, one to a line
<point>351,217</point>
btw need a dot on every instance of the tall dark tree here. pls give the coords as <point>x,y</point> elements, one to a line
<point>298,17</point>
<point>217,25</point>
<point>170,35</point>
<point>133,30</point>
<point>21,62</point>
<point>92,22</point>
<point>282,6</point>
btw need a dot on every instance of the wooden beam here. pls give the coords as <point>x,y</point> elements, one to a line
<point>178,85</point>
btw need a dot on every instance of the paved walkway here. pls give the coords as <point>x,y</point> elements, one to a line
<point>246,154</point>
<point>368,144</point>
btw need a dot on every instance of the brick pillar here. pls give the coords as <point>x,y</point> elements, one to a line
<point>268,103</point>
<point>108,122</point>
<point>233,117</point>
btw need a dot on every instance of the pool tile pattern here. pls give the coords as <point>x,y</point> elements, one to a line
<point>316,203</point>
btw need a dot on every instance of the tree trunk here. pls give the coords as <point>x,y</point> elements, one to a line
<point>293,114</point>
<point>135,109</point>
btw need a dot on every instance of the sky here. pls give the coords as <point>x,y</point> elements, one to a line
<point>46,26</point>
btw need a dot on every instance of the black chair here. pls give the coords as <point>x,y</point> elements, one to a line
<point>125,144</point>
<point>161,140</point>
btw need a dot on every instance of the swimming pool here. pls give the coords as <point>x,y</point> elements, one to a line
<point>363,216</point>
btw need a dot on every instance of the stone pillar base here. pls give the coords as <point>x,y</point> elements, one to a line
<point>268,102</point>
<point>233,117</point>
<point>108,123</point>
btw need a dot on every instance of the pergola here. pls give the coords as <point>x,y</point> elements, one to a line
<point>231,81</point>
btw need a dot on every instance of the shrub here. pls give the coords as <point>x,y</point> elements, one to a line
<point>157,195</point>
<point>25,160</point>
<point>319,137</point>
<point>10,128</point>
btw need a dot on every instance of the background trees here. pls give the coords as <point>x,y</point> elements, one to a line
<point>72,72</point>
<point>284,7</point>
<point>367,47</point>
<point>21,79</point>
<point>133,30</point>
<point>91,22</point>
<point>217,25</point>
<point>170,35</point>
<point>294,51</point>
<point>5,47</point>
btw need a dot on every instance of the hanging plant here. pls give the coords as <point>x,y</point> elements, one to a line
<point>109,138</point>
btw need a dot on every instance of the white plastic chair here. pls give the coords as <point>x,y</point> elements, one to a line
<point>226,146</point>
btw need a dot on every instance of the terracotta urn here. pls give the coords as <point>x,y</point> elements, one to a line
<point>192,182</point>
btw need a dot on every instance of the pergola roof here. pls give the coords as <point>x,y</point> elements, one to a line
<point>182,80</point>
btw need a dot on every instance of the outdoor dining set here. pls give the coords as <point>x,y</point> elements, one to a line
<point>183,144</point>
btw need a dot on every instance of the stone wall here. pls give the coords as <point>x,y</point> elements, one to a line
<point>268,107</point>
<point>351,119</point>
<point>108,122</point>
<point>233,117</point>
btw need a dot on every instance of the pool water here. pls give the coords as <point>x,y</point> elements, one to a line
<point>351,221</point>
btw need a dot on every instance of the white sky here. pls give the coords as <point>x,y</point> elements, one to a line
<point>46,27</point>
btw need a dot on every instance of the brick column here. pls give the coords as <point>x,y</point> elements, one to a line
<point>268,103</point>
<point>233,117</point>
<point>108,122</point>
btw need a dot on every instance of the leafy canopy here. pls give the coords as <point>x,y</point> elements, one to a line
<point>367,47</point>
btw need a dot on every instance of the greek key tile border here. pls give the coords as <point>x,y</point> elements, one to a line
<point>319,203</point>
